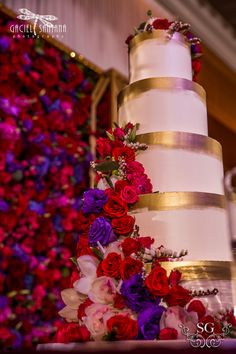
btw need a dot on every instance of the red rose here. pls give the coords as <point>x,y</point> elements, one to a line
<point>122,327</point>
<point>82,307</point>
<point>124,225</point>
<point>174,277</point>
<point>178,296</point>
<point>130,267</point>
<point>119,302</point>
<point>49,75</point>
<point>129,194</point>
<point>197,306</point>
<point>119,185</point>
<point>160,23</point>
<point>146,241</point>
<point>168,333</point>
<point>103,147</point>
<point>130,245</point>
<point>118,133</point>
<point>115,207</point>
<point>72,332</point>
<point>124,152</point>
<point>74,276</point>
<point>83,247</point>
<point>110,265</point>
<point>157,282</point>
<point>128,39</point>
<point>6,336</point>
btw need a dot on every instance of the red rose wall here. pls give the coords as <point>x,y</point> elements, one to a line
<point>45,99</point>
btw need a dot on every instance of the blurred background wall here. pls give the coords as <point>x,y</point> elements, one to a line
<point>97,29</point>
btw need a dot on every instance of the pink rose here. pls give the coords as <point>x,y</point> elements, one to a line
<point>142,184</point>
<point>129,194</point>
<point>134,167</point>
<point>96,319</point>
<point>119,133</point>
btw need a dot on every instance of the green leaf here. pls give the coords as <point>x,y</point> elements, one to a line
<point>116,125</point>
<point>110,136</point>
<point>132,134</point>
<point>109,182</point>
<point>107,166</point>
<point>97,252</point>
<point>74,260</point>
<point>149,13</point>
<point>65,272</point>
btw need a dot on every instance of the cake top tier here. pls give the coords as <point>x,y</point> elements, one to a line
<point>156,44</point>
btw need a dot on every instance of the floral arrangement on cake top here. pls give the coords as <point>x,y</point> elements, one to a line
<point>171,27</point>
<point>119,288</point>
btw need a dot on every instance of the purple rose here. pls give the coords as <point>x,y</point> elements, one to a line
<point>149,322</point>
<point>101,231</point>
<point>94,199</point>
<point>4,206</point>
<point>4,43</point>
<point>137,297</point>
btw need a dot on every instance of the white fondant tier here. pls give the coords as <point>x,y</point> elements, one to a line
<point>164,104</point>
<point>177,161</point>
<point>152,54</point>
<point>193,221</point>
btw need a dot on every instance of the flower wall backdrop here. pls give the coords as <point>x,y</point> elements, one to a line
<point>45,99</point>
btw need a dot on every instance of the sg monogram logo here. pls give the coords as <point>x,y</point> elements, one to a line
<point>205,336</point>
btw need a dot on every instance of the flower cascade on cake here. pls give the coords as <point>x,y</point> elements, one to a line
<point>119,288</point>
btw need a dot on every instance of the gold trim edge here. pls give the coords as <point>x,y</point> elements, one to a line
<point>196,270</point>
<point>157,34</point>
<point>179,200</point>
<point>134,89</point>
<point>182,140</point>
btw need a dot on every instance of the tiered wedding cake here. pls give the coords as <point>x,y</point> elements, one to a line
<point>184,164</point>
<point>124,286</point>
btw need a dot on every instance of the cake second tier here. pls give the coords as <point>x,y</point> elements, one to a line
<point>164,104</point>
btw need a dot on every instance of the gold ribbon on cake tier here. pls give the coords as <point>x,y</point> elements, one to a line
<point>158,34</point>
<point>196,270</point>
<point>182,140</point>
<point>162,83</point>
<point>178,200</point>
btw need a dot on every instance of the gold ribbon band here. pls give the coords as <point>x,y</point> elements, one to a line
<point>158,34</point>
<point>162,83</point>
<point>179,200</point>
<point>199,270</point>
<point>183,140</point>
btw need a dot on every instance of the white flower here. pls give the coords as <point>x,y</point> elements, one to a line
<point>103,290</point>
<point>88,269</point>
<point>114,247</point>
<point>72,300</point>
<point>175,316</point>
<point>102,183</point>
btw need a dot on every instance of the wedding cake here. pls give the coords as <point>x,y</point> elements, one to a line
<point>184,164</point>
<point>159,197</point>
